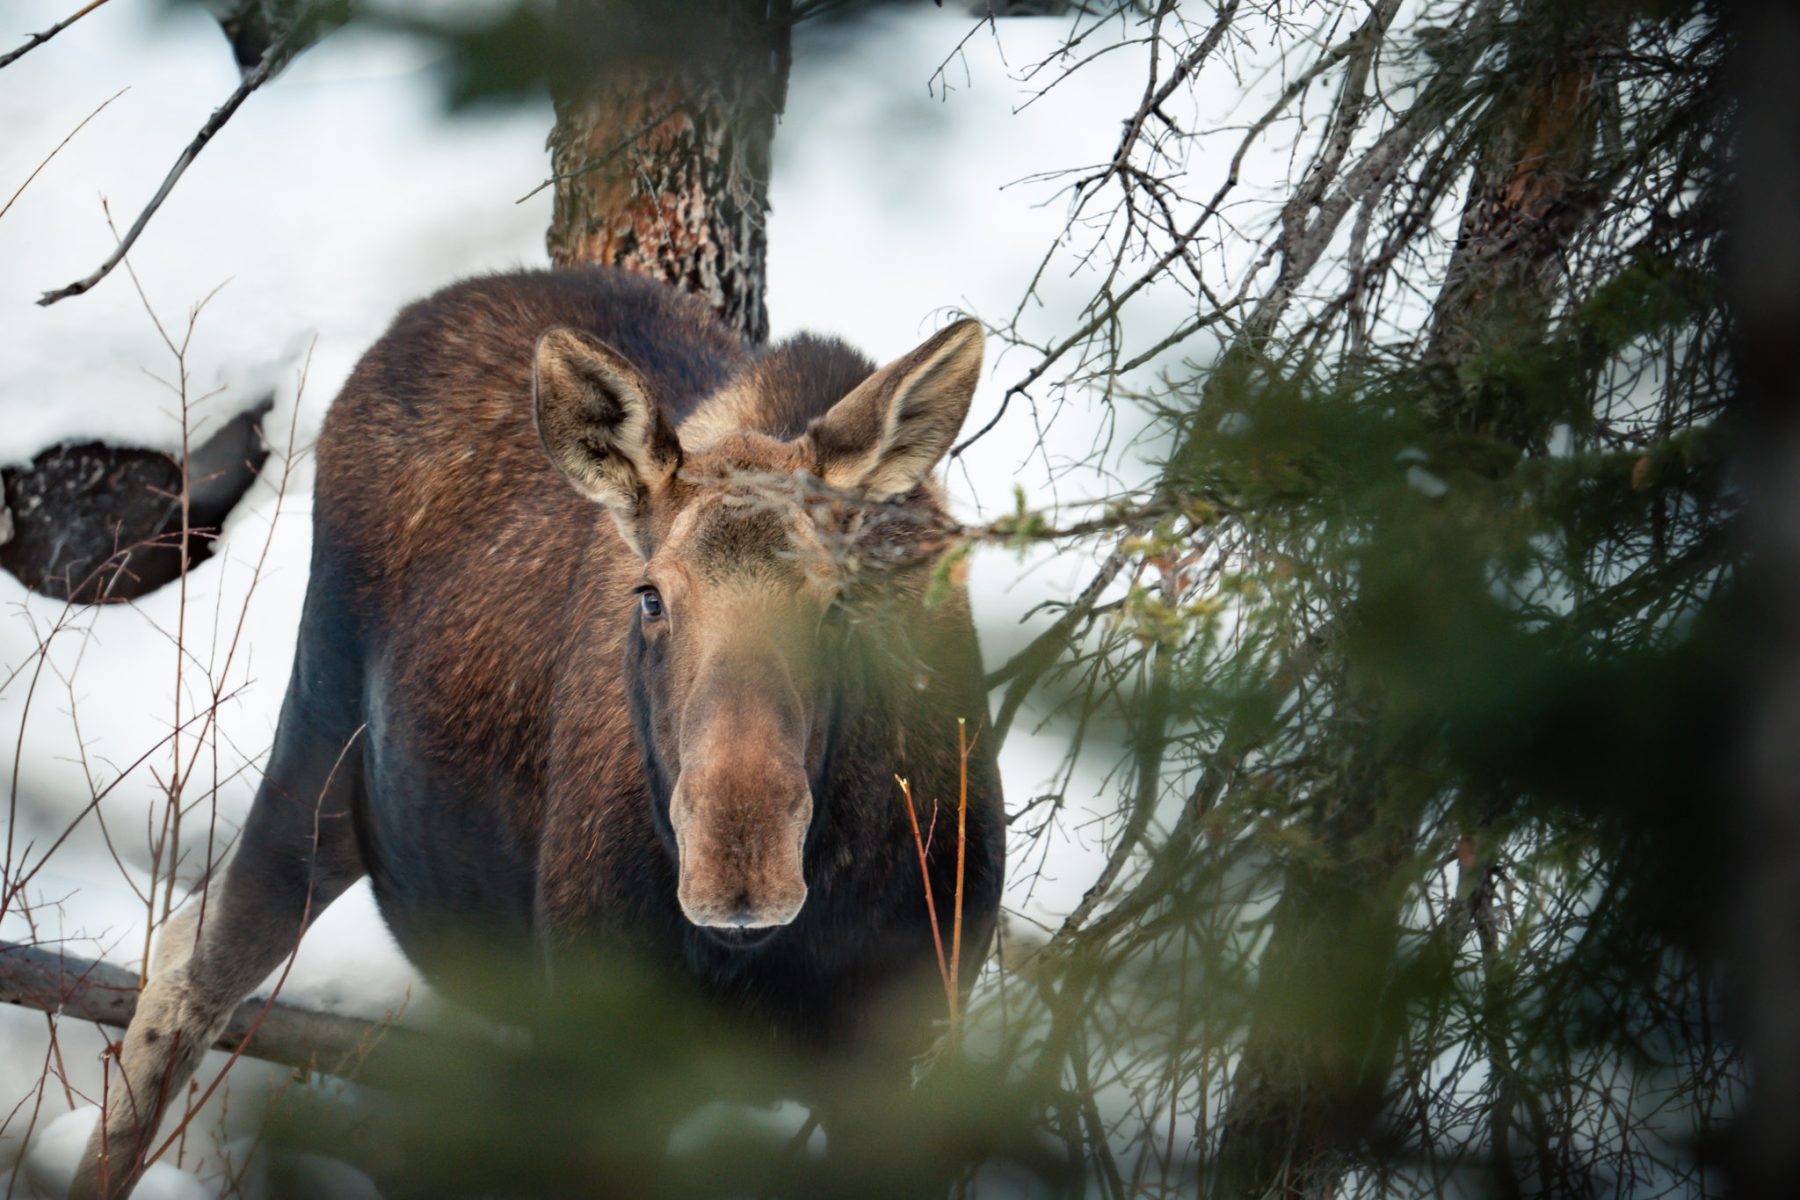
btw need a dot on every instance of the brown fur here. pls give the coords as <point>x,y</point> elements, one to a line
<point>498,598</point>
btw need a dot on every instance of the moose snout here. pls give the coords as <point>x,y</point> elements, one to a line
<point>740,840</point>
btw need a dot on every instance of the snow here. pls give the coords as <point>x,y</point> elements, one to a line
<point>1424,482</point>
<point>50,1166</point>
<point>336,195</point>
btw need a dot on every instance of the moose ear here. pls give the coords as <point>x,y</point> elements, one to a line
<point>887,434</point>
<point>601,427</point>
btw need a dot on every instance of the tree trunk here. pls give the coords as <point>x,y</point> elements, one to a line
<point>1316,1063</point>
<point>1765,292</point>
<point>660,153</point>
<point>1310,1084</point>
<point>1529,195</point>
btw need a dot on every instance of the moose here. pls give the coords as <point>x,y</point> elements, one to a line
<point>618,631</point>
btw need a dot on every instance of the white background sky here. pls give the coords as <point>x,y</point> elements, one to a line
<point>339,193</point>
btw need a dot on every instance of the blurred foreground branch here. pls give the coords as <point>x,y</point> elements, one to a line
<point>1765,279</point>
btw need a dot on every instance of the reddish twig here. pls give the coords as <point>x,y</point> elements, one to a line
<point>963,746</point>
<point>949,966</point>
<point>937,937</point>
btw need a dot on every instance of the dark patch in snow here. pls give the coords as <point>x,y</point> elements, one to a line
<point>94,522</point>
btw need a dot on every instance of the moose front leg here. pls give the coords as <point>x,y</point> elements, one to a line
<point>174,1024</point>
<point>252,923</point>
<point>297,854</point>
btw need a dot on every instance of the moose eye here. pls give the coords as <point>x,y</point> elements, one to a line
<point>650,604</point>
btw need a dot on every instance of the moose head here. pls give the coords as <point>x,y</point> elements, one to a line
<point>734,640</point>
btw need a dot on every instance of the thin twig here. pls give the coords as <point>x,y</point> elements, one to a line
<point>38,39</point>
<point>34,174</point>
<point>962,820</point>
<point>937,937</point>
<point>271,62</point>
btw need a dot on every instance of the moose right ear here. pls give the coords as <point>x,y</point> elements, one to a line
<point>893,428</point>
<point>601,427</point>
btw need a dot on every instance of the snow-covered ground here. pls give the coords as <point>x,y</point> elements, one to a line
<point>337,194</point>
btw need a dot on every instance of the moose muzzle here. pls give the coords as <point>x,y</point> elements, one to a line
<point>740,822</point>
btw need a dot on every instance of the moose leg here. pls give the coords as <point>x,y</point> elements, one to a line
<point>296,855</point>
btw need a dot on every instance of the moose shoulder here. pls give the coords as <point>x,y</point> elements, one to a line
<point>617,632</point>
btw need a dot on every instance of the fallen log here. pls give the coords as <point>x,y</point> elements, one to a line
<point>44,979</point>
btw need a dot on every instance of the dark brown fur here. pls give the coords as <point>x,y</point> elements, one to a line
<point>493,617</point>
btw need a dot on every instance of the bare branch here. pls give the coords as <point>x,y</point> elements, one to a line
<point>38,39</point>
<point>86,990</point>
<point>265,70</point>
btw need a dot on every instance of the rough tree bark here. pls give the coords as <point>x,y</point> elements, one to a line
<point>660,153</point>
<point>1529,196</point>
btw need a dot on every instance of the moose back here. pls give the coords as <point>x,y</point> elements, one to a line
<point>617,633</point>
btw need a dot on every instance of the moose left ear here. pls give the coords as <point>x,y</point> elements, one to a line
<point>602,428</point>
<point>887,434</point>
